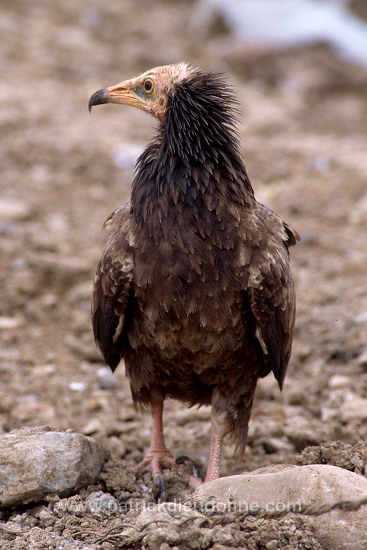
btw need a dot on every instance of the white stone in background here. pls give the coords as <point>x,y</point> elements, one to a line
<point>43,370</point>
<point>9,323</point>
<point>125,155</point>
<point>37,461</point>
<point>106,379</point>
<point>287,23</point>
<point>362,359</point>
<point>354,409</point>
<point>362,318</point>
<point>116,447</point>
<point>77,386</point>
<point>92,427</point>
<point>358,215</point>
<point>14,210</point>
<point>280,485</point>
<point>276,444</point>
<point>339,381</point>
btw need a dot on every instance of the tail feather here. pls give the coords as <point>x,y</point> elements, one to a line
<point>240,429</point>
<point>231,416</point>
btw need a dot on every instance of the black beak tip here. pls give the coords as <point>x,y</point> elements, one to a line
<point>98,98</point>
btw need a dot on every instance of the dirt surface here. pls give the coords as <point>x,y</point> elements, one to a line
<point>303,131</point>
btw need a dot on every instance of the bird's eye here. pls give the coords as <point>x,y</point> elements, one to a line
<point>148,85</point>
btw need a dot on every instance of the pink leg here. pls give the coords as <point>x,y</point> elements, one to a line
<point>214,456</point>
<point>214,460</point>
<point>158,456</point>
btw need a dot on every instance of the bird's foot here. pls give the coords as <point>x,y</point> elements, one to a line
<point>195,479</point>
<point>154,461</point>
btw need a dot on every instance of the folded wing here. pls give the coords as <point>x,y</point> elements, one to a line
<point>112,288</point>
<point>271,294</point>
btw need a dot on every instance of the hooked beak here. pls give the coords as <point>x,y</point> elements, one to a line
<point>123,93</point>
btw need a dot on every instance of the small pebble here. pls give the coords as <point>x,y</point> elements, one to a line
<point>320,164</point>
<point>91,18</point>
<point>14,210</point>
<point>19,264</point>
<point>339,381</point>
<point>46,517</point>
<point>102,504</point>
<point>8,323</point>
<point>276,444</point>
<point>77,386</point>
<point>361,318</point>
<point>116,447</point>
<point>44,370</point>
<point>106,379</point>
<point>362,359</point>
<point>92,427</point>
<point>354,409</point>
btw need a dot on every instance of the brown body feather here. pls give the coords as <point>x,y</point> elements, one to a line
<point>194,288</point>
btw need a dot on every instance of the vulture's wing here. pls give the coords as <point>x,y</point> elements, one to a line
<point>112,288</point>
<point>271,293</point>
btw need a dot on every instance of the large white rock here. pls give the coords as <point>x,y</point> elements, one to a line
<point>38,461</point>
<point>277,486</point>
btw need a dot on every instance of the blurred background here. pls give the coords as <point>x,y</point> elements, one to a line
<point>299,69</point>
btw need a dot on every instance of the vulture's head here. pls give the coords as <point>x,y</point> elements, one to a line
<point>149,92</point>
<point>194,108</point>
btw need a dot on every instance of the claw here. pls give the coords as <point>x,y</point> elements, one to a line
<point>183,459</point>
<point>162,495</point>
<point>154,462</point>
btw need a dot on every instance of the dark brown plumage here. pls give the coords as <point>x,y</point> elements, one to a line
<point>193,288</point>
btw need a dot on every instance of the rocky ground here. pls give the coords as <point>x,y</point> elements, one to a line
<point>303,131</point>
